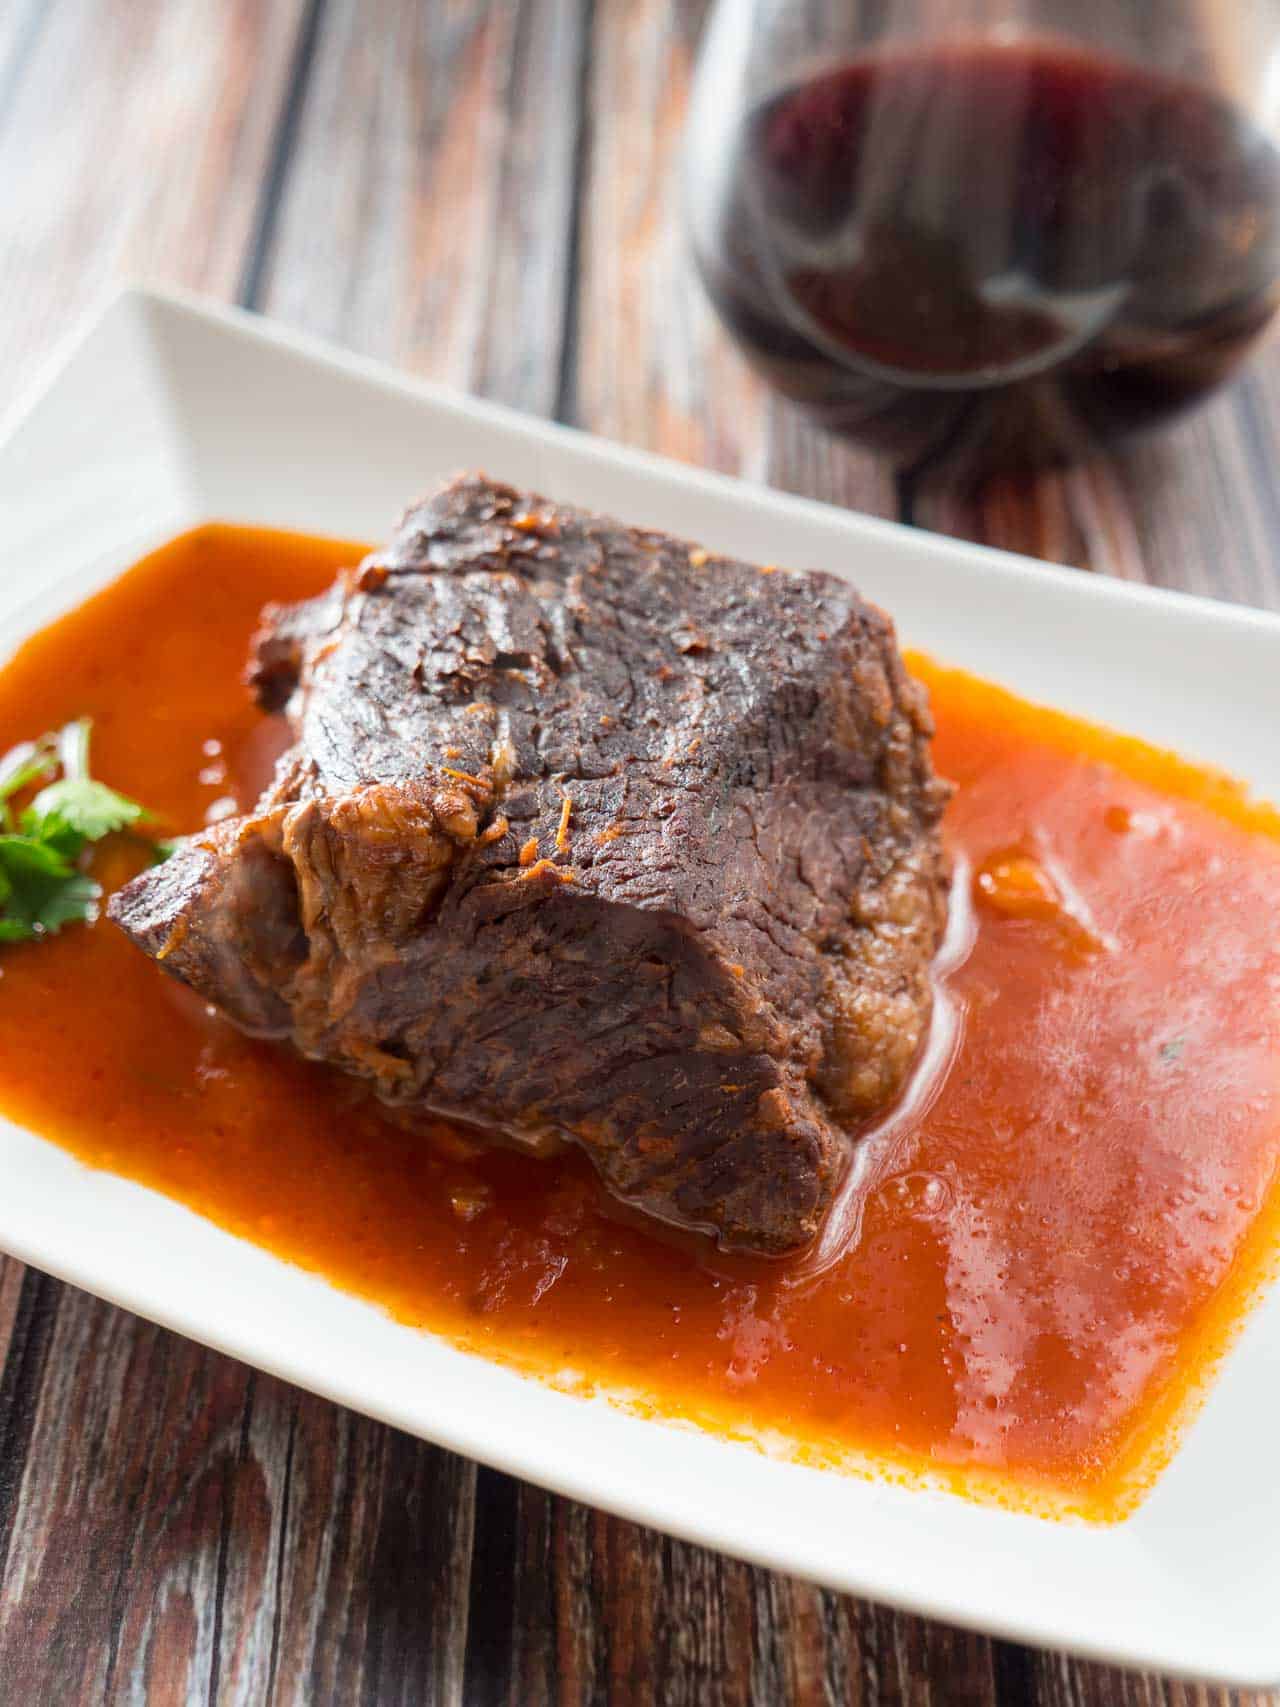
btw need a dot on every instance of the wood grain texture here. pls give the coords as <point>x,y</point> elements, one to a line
<point>487,192</point>
<point>1192,510</point>
<point>133,142</point>
<point>427,213</point>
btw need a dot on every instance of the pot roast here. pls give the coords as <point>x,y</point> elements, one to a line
<point>585,834</point>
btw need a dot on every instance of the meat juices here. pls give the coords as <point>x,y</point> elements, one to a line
<point>585,835</point>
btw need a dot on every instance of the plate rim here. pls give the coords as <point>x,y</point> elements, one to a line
<point>238,323</point>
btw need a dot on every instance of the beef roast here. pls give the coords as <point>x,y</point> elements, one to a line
<point>585,833</point>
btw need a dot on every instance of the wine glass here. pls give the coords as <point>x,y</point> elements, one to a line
<point>1003,232</point>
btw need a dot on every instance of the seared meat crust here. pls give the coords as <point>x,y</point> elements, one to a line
<point>585,833</point>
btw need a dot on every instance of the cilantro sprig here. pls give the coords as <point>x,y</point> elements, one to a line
<point>42,883</point>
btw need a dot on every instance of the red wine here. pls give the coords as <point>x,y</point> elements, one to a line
<point>1001,252</point>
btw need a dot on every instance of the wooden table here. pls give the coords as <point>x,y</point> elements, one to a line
<point>483,191</point>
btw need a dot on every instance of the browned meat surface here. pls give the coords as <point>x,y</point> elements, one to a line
<point>584,833</point>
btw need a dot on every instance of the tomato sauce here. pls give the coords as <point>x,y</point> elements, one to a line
<point>1045,1254</point>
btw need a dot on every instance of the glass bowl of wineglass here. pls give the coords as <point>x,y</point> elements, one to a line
<point>1005,232</point>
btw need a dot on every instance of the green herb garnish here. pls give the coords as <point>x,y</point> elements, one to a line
<point>42,886</point>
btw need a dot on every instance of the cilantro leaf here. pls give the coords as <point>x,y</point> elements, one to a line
<point>53,831</point>
<point>80,804</point>
<point>42,890</point>
<point>22,857</point>
<point>74,901</point>
<point>42,886</point>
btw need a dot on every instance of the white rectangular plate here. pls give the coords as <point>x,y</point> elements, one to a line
<point>167,414</point>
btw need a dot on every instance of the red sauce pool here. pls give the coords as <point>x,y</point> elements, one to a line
<point>1050,1258</point>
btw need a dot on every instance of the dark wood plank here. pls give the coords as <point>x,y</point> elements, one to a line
<point>373,1562</point>
<point>652,369</point>
<point>607,1612</point>
<point>1192,509</point>
<point>1059,1682</point>
<point>427,216</point>
<point>147,1433</point>
<point>187,1530</point>
<point>133,143</point>
<point>11,1274</point>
